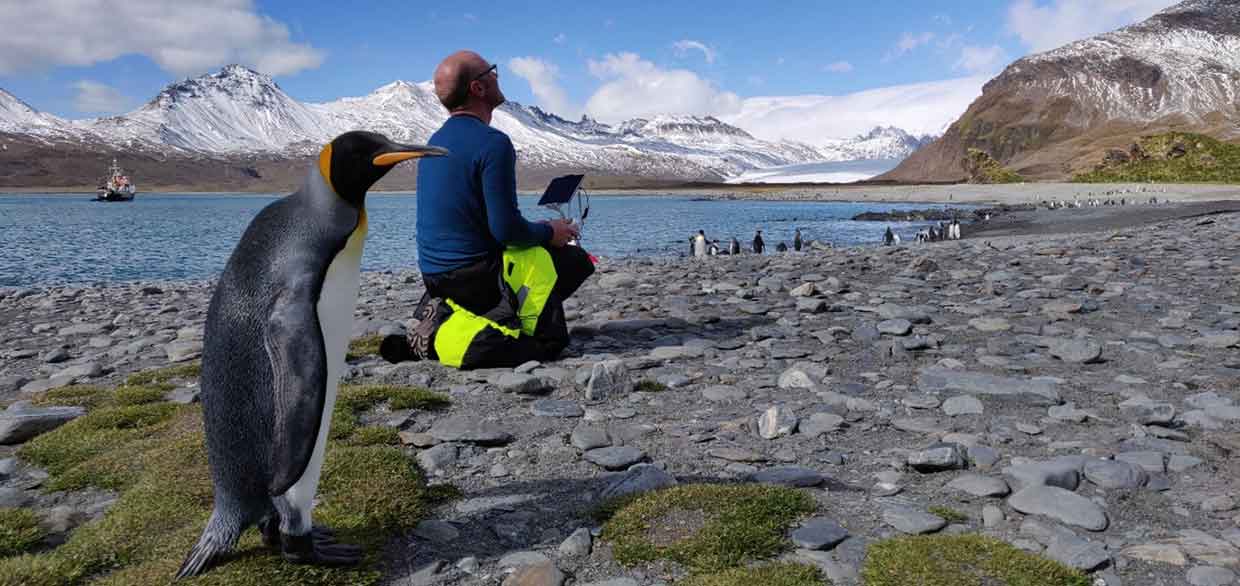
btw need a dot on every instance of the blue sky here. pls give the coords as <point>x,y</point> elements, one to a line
<point>610,60</point>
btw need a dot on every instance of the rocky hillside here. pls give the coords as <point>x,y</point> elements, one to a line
<point>1054,114</point>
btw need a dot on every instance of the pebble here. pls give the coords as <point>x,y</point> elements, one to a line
<point>615,457</point>
<point>1061,505</point>
<point>912,521</point>
<point>981,486</point>
<point>819,533</point>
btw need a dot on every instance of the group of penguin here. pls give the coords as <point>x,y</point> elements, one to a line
<point>699,245</point>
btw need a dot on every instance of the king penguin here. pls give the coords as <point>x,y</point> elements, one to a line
<point>276,333</point>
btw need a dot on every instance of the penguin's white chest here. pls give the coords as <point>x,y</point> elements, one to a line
<point>337,300</point>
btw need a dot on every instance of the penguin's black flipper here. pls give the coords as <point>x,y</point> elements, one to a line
<point>294,343</point>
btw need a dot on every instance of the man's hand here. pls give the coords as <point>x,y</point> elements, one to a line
<point>562,231</point>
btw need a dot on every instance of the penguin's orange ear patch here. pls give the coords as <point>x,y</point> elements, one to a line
<point>325,163</point>
<point>388,159</point>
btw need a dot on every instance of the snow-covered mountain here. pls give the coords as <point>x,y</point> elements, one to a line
<point>237,111</point>
<point>19,118</point>
<point>1055,113</point>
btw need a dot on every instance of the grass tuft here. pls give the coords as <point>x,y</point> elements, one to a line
<point>375,435</point>
<point>128,395</point>
<point>87,396</point>
<point>152,377</point>
<point>19,531</point>
<point>948,514</point>
<point>706,527</point>
<point>354,399</point>
<point>154,454</point>
<point>781,574</point>
<point>961,560</point>
<point>983,168</point>
<point>1172,157</point>
<point>650,386</point>
<point>364,347</point>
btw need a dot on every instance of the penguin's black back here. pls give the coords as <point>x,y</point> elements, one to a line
<point>286,249</point>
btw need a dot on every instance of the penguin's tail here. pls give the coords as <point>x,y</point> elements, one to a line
<point>217,539</point>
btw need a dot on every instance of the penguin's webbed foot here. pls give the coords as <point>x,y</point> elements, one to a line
<point>319,547</point>
<point>270,529</point>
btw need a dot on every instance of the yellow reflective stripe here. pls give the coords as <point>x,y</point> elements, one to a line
<point>534,271</point>
<point>453,337</point>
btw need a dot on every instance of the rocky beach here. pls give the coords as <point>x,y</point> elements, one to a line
<point>1076,396</point>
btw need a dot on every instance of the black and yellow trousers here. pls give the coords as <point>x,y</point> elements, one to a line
<point>508,309</point>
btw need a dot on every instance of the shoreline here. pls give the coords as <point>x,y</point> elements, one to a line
<point>1016,222</point>
<point>899,378</point>
<point>1010,194</point>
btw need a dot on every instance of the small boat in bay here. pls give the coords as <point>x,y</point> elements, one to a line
<point>116,186</point>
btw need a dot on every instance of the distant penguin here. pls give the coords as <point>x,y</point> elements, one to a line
<point>699,244</point>
<point>796,240</point>
<point>781,247</point>
<point>276,333</point>
<point>758,244</point>
<point>734,247</point>
<point>888,237</point>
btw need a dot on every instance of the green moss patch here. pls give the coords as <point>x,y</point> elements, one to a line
<point>768,575</point>
<point>650,386</point>
<point>354,399</point>
<point>982,168</point>
<point>19,531</point>
<point>961,560</point>
<point>186,371</point>
<point>128,395</point>
<point>706,527</point>
<point>1173,157</point>
<point>948,514</point>
<point>74,396</point>
<point>364,347</point>
<point>154,454</point>
<point>375,435</point>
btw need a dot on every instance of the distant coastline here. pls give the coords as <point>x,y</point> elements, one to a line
<point>858,192</point>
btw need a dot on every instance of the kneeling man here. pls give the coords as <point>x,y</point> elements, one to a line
<point>495,282</point>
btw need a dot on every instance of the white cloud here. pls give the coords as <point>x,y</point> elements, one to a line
<point>907,43</point>
<point>184,38</point>
<point>97,98</point>
<point>1043,26</point>
<point>560,39</point>
<point>923,108</point>
<point>634,87</point>
<point>543,78</point>
<point>942,19</point>
<point>839,67</point>
<point>683,47</point>
<point>976,60</point>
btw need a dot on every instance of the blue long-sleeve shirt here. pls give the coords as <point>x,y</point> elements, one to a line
<point>467,200</point>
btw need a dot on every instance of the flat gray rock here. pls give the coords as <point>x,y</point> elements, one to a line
<point>1059,504</point>
<point>609,378</point>
<point>895,327</point>
<point>1211,576</point>
<point>1146,412</point>
<point>982,486</point>
<point>556,408</point>
<point>1064,472</point>
<point>819,533</point>
<point>1112,474</point>
<point>523,384</point>
<point>587,437</point>
<point>20,422</point>
<point>788,476</point>
<point>1075,350</point>
<point>990,324</point>
<point>937,458</point>
<point>963,405</point>
<point>820,423</point>
<point>1034,392</point>
<point>736,455</point>
<point>776,422</point>
<point>724,394</point>
<point>467,430</point>
<point>912,521</point>
<point>615,457</point>
<point>638,479</point>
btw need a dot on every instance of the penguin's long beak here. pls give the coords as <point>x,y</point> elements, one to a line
<point>404,152</point>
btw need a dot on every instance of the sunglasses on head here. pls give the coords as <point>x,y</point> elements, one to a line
<point>493,68</point>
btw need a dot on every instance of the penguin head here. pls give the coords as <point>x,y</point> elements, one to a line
<point>352,162</point>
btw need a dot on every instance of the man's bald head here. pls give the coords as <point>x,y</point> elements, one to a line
<point>453,76</point>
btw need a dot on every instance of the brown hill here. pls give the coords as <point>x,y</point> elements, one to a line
<point>1055,114</point>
